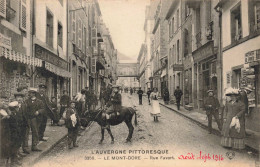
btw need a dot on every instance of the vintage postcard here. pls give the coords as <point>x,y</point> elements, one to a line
<point>129,83</point>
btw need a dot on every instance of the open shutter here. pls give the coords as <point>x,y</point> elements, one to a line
<point>80,33</point>
<point>23,15</point>
<point>228,78</point>
<point>93,65</point>
<point>73,20</point>
<point>3,8</point>
<point>94,37</point>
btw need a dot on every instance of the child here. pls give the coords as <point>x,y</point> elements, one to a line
<point>72,122</point>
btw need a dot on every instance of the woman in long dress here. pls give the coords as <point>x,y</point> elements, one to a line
<point>155,113</point>
<point>234,114</point>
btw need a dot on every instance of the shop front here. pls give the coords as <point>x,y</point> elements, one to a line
<point>53,72</point>
<point>205,72</point>
<point>250,77</point>
<point>15,65</point>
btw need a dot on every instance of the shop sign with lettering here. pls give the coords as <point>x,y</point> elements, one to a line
<point>203,52</point>
<point>5,41</point>
<point>50,57</point>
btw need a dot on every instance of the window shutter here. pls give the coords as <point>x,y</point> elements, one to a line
<point>80,34</point>
<point>23,15</point>
<point>3,8</point>
<point>93,65</point>
<point>94,37</point>
<point>228,75</point>
<point>73,19</point>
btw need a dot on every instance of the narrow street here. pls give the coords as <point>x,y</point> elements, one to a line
<point>173,134</point>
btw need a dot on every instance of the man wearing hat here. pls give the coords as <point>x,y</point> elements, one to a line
<point>140,95</point>
<point>34,107</point>
<point>178,93</point>
<point>243,92</point>
<point>22,121</point>
<point>14,133</point>
<point>116,101</point>
<point>42,118</point>
<point>211,106</point>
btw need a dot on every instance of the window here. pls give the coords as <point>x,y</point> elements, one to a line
<point>173,26</point>
<point>84,40</point>
<point>178,51</point>
<point>178,18</point>
<point>49,29</point>
<point>60,35</point>
<point>170,29</point>
<point>187,11</point>
<point>236,23</point>
<point>254,15</point>
<point>170,55</point>
<point>173,54</point>
<point>80,33</point>
<point>186,42</point>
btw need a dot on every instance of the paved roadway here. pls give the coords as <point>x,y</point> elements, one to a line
<point>173,134</point>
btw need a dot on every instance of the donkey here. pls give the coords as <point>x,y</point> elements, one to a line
<point>126,114</point>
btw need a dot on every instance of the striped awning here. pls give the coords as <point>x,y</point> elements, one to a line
<point>56,70</point>
<point>19,57</point>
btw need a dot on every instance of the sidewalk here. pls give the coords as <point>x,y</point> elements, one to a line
<point>199,117</point>
<point>53,135</point>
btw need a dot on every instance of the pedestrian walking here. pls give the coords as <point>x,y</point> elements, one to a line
<point>148,95</point>
<point>140,96</point>
<point>87,99</point>
<point>43,117</point>
<point>178,93</point>
<point>54,107</point>
<point>64,102</point>
<point>34,107</point>
<point>212,106</point>
<point>72,122</point>
<point>166,96</point>
<point>233,132</point>
<point>155,113</point>
<point>80,102</point>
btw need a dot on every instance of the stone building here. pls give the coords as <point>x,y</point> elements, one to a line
<point>240,25</point>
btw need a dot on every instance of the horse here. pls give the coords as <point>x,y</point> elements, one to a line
<point>126,114</point>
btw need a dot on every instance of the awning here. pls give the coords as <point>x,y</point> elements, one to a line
<point>78,61</point>
<point>163,73</point>
<point>57,70</point>
<point>19,57</point>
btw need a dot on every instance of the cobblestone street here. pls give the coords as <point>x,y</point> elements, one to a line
<point>173,133</point>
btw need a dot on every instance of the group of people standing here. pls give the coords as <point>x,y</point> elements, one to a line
<point>234,109</point>
<point>28,111</point>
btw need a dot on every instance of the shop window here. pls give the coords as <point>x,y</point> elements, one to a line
<point>236,77</point>
<point>236,23</point>
<point>60,35</point>
<point>49,29</point>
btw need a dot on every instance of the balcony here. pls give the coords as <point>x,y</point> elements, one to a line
<point>78,52</point>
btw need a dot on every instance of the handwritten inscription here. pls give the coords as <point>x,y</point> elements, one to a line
<point>201,156</point>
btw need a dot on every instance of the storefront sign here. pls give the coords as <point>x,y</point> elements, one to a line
<point>5,42</point>
<point>178,67</point>
<point>50,57</point>
<point>203,52</point>
<point>252,56</point>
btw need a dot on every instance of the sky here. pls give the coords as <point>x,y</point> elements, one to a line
<point>125,20</point>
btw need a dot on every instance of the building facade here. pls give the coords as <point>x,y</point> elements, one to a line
<point>241,51</point>
<point>16,59</point>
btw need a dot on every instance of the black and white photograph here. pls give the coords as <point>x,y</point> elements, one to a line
<point>129,83</point>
